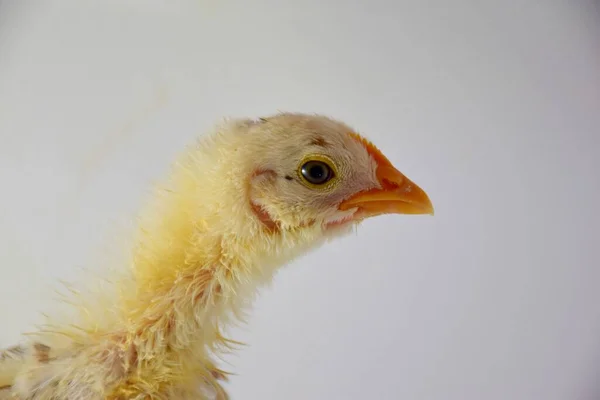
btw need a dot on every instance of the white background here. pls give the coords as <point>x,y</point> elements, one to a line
<point>493,107</point>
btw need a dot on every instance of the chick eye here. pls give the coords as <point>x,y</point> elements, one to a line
<point>316,172</point>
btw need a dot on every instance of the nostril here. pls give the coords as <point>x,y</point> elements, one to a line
<point>389,185</point>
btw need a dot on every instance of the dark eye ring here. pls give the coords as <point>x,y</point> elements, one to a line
<point>316,172</point>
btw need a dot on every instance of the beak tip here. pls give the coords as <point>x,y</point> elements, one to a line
<point>426,204</point>
<point>431,210</point>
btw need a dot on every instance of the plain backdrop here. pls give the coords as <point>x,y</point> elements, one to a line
<point>493,107</point>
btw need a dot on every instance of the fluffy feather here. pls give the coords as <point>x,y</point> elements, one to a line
<point>232,211</point>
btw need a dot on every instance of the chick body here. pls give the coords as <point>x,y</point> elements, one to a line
<point>201,252</point>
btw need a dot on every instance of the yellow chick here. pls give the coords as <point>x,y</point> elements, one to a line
<point>237,206</point>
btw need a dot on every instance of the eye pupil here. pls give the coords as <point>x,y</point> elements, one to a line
<point>316,172</point>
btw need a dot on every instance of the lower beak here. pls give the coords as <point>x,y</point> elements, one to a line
<point>398,195</point>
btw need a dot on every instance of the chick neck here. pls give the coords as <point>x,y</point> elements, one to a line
<point>202,252</point>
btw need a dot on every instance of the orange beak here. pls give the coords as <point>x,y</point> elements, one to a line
<point>398,194</point>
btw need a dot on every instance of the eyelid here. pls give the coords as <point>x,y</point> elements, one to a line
<point>323,158</point>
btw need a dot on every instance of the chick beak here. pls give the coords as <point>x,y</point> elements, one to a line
<point>397,195</point>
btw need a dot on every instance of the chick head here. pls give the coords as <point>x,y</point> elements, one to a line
<point>315,171</point>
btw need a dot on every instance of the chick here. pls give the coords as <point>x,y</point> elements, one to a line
<point>238,205</point>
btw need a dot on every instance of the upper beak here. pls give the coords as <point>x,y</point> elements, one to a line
<point>398,195</point>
